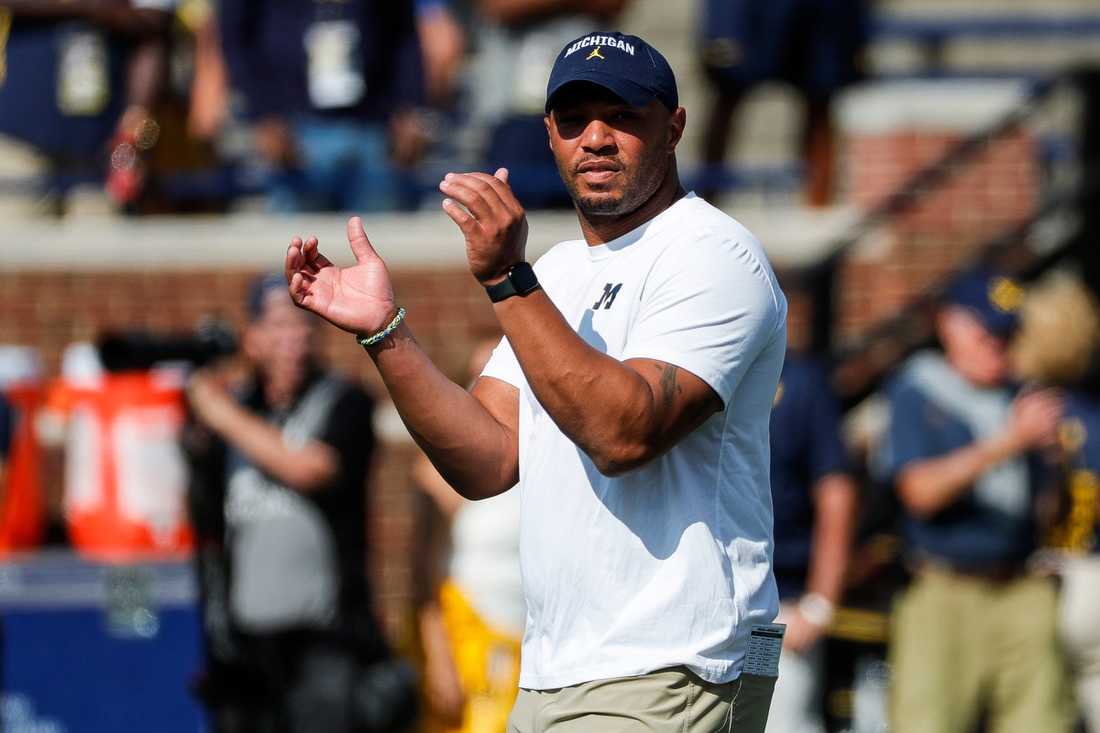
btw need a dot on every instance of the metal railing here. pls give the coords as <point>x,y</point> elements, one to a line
<point>859,365</point>
<point>934,34</point>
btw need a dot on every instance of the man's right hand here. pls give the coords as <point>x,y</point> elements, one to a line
<point>358,299</point>
<point>1034,420</point>
<point>929,485</point>
<point>208,397</point>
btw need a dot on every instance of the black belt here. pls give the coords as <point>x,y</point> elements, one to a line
<point>998,572</point>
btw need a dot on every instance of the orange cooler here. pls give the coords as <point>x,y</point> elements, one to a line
<point>125,474</point>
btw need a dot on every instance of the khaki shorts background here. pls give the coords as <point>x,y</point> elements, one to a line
<point>668,701</point>
<point>962,646</point>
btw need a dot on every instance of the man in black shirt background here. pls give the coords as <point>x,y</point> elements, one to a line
<point>288,621</point>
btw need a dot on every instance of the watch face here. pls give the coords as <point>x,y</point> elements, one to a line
<point>523,278</point>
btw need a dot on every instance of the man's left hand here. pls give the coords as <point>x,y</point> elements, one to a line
<point>494,223</point>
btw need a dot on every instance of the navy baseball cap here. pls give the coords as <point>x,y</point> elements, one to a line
<point>257,294</point>
<point>993,298</point>
<point>626,66</point>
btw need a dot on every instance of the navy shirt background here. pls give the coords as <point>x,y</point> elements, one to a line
<point>1084,413</point>
<point>812,44</point>
<point>28,93</point>
<point>264,43</point>
<point>965,533</point>
<point>805,445</point>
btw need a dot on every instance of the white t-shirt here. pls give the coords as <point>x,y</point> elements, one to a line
<point>485,560</point>
<point>669,565</point>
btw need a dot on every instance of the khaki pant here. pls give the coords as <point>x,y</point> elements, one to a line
<point>964,647</point>
<point>668,701</point>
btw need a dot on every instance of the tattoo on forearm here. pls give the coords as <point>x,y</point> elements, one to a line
<point>669,387</point>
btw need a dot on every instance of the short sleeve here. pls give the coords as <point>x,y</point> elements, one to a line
<point>827,454</point>
<point>349,431</point>
<point>504,365</point>
<point>709,306</point>
<point>908,438</point>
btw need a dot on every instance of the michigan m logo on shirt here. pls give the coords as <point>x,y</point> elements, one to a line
<point>608,297</point>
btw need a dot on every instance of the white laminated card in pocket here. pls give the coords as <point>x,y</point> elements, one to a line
<point>765,645</point>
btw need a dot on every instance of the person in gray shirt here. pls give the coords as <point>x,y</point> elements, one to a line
<point>297,446</point>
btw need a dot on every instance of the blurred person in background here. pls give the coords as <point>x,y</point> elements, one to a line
<point>137,130</point>
<point>813,45</point>
<point>333,88</point>
<point>518,41</point>
<point>288,618</point>
<point>472,610</point>
<point>441,26</point>
<point>1057,345</point>
<point>975,636</point>
<point>444,44</point>
<point>814,499</point>
<point>208,105</point>
<point>80,80</point>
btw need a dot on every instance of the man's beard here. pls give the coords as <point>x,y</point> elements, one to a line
<point>639,185</point>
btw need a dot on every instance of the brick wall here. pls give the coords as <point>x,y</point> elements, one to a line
<point>447,310</point>
<point>987,196</point>
<point>799,314</point>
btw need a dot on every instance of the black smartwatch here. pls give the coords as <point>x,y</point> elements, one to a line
<point>519,280</point>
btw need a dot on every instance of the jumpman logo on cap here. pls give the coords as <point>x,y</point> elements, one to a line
<point>596,54</point>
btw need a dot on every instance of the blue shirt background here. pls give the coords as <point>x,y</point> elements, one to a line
<point>266,54</point>
<point>28,93</point>
<point>812,44</point>
<point>1083,454</point>
<point>966,533</point>
<point>805,445</point>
